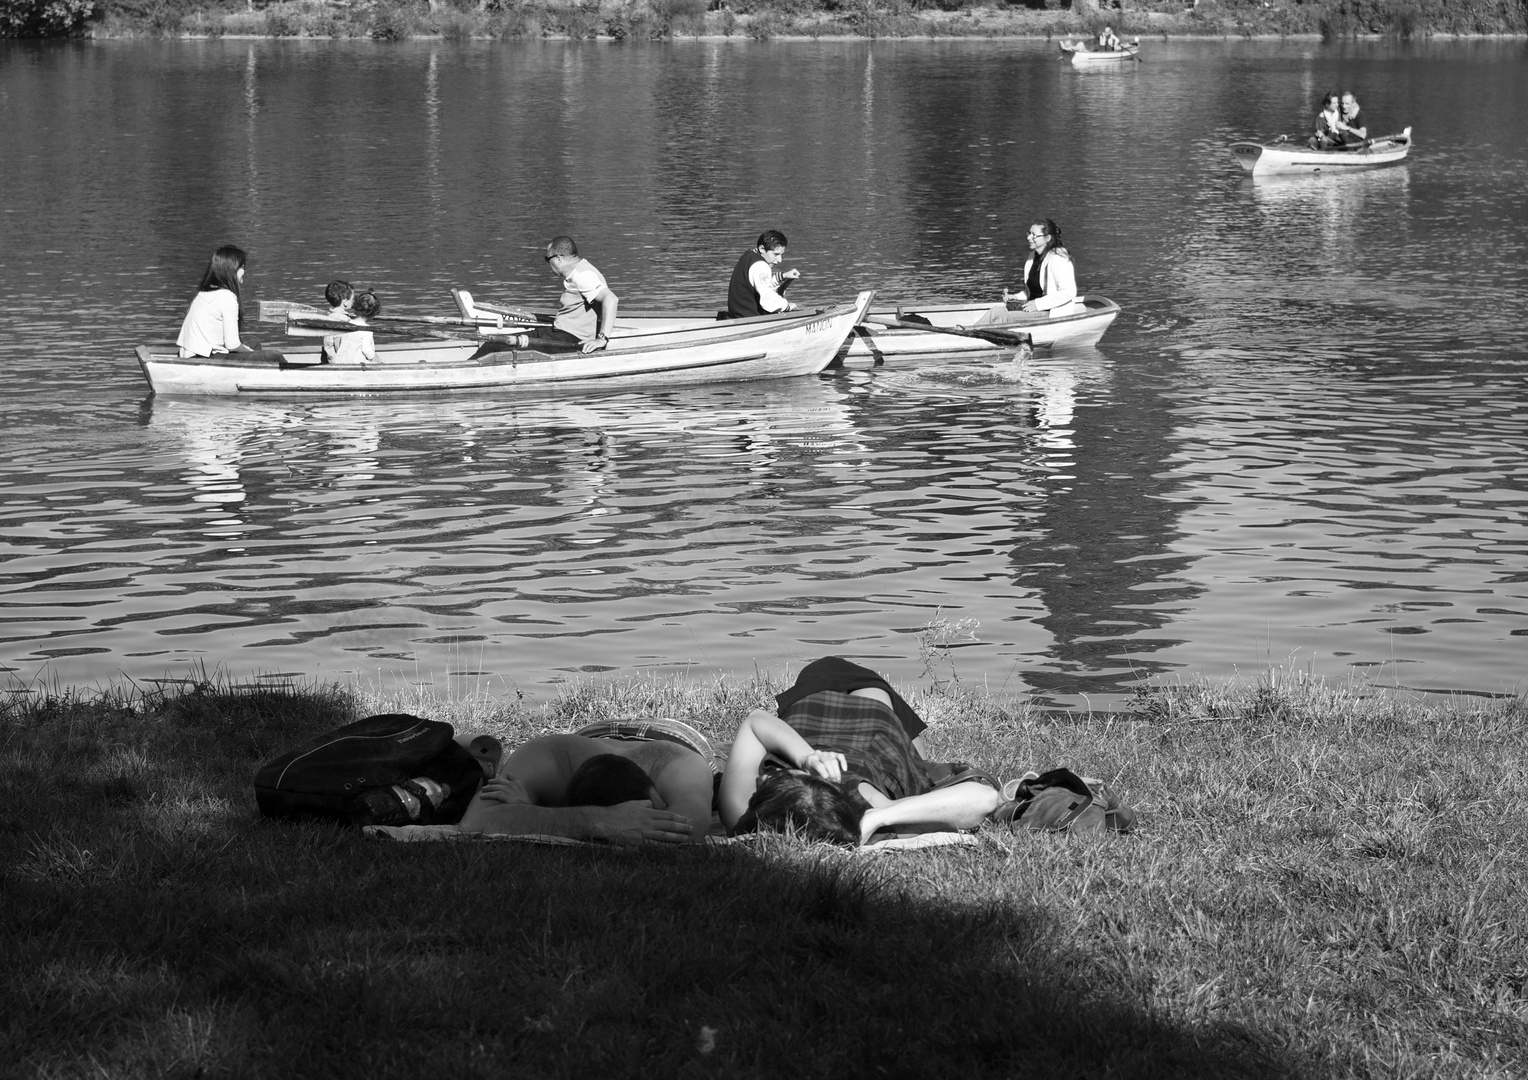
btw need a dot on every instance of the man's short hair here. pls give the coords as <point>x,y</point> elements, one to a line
<point>562,245</point>
<point>337,292</point>
<point>606,780</point>
<point>770,239</point>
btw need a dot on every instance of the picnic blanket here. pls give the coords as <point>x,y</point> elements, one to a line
<point>449,833</point>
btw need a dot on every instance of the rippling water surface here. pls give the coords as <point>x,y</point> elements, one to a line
<point>1304,440</point>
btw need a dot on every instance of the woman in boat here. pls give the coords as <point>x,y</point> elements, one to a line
<point>1050,280</point>
<point>1108,40</point>
<point>1351,130</point>
<point>840,761</point>
<point>212,323</point>
<point>1328,123</point>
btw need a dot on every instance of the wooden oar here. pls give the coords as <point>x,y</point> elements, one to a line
<point>284,310</point>
<point>1009,338</point>
<point>319,326</point>
<point>469,308</point>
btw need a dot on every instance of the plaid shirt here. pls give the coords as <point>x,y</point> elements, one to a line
<point>866,733</point>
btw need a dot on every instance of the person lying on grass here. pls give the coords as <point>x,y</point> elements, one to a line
<point>656,790</point>
<point>842,762</point>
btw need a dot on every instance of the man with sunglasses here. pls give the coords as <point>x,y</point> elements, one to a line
<point>587,312</point>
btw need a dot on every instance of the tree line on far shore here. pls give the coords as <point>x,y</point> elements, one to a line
<point>396,20</point>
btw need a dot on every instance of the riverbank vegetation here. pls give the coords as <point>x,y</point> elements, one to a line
<point>1324,883</point>
<point>392,20</point>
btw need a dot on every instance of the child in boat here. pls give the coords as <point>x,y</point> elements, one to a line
<point>341,296</point>
<point>212,323</point>
<point>359,346</point>
<point>1328,124</point>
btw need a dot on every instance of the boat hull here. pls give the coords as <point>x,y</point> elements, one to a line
<point>1083,57</point>
<point>730,351</point>
<point>1284,159</point>
<point>873,341</point>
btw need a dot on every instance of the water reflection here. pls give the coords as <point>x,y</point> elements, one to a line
<point>1304,433</point>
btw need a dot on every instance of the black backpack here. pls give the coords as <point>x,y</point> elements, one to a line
<point>393,769</point>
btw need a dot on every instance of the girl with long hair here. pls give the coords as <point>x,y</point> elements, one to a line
<point>212,323</point>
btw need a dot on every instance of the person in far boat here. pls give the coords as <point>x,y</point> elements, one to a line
<point>341,297</point>
<point>359,346</point>
<point>757,287</point>
<point>1108,40</point>
<point>1328,131</point>
<point>1050,281</point>
<point>212,323</point>
<point>841,760</point>
<point>1350,128</point>
<point>587,314</point>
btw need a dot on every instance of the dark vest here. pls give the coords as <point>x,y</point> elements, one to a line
<point>742,301</point>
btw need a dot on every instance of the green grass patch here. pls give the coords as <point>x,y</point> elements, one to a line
<point>1324,883</point>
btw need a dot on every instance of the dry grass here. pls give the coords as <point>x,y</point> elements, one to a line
<point>1324,883</point>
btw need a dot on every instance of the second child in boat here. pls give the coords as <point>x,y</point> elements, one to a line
<point>358,346</point>
<point>212,323</point>
<point>340,296</point>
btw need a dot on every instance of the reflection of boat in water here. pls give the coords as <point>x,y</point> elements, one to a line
<point>730,351</point>
<point>1285,158</point>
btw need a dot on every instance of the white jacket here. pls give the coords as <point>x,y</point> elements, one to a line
<point>1059,280</point>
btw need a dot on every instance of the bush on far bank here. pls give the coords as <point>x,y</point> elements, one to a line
<point>643,20</point>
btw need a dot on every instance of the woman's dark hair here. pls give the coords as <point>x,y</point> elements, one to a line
<point>770,239</point>
<point>1052,233</point>
<point>223,270</point>
<point>790,801</point>
<point>366,304</point>
<point>606,780</point>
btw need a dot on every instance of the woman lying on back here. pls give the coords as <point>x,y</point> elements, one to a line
<point>840,763</point>
<point>212,324</point>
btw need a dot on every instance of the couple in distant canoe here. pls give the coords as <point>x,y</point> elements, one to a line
<point>1338,126</point>
<point>840,760</point>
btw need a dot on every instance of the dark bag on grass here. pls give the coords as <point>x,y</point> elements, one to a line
<point>393,769</point>
<point>1061,801</point>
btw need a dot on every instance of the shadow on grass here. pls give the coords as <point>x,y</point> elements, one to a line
<point>152,916</point>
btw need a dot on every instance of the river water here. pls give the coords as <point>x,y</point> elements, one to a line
<point>1302,443</point>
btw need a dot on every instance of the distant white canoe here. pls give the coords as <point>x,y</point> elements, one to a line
<point>1082,326</point>
<point>1082,56</point>
<point>1286,158</point>
<point>733,350</point>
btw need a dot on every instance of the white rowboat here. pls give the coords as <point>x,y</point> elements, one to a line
<point>1082,326</point>
<point>1286,158</point>
<point>734,350</point>
<point>1082,56</point>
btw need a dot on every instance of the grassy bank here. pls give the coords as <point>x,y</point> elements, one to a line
<point>761,19</point>
<point>1323,884</point>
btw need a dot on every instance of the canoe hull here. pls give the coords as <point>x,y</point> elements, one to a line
<point>872,341</point>
<point>733,351</point>
<point>1082,57</point>
<point>1285,159</point>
